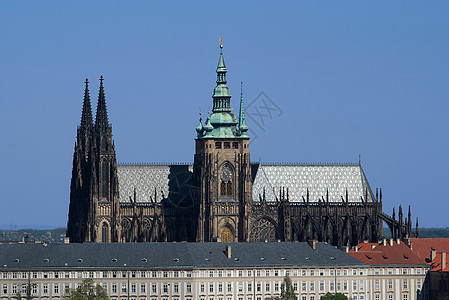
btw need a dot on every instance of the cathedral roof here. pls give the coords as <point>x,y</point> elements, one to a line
<point>173,182</point>
<point>170,255</point>
<point>155,182</point>
<point>313,183</point>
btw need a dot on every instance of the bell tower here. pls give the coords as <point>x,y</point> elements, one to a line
<point>221,169</point>
<point>94,200</point>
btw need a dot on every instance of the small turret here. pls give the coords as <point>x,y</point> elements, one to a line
<point>200,129</point>
<point>208,128</point>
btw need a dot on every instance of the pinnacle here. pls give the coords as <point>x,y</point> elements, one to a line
<point>101,118</point>
<point>86,115</point>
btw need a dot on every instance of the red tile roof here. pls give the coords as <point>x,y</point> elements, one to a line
<point>378,254</point>
<point>436,263</point>
<point>424,247</point>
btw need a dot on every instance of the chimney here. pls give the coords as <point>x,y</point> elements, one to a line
<point>433,254</point>
<point>356,249</point>
<point>385,242</point>
<point>443,261</point>
<point>66,240</point>
<point>228,251</point>
<point>391,242</point>
<point>398,241</point>
<point>347,249</point>
<point>312,243</point>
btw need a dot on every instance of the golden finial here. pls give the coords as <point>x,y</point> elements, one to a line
<point>220,41</point>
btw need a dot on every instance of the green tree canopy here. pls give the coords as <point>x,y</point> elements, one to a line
<point>87,290</point>
<point>337,296</point>
<point>287,291</point>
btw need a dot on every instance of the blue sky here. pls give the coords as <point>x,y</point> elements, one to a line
<point>348,77</point>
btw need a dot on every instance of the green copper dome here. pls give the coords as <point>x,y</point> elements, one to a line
<point>222,122</point>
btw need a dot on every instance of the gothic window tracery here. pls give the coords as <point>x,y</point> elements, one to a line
<point>263,230</point>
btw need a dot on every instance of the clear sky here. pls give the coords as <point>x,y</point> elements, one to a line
<point>346,78</point>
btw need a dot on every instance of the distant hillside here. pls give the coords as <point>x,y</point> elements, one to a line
<point>31,235</point>
<point>57,235</point>
<point>426,232</point>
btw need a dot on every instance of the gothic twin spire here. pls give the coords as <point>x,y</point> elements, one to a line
<point>101,119</point>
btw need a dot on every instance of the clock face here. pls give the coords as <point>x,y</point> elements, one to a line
<point>226,175</point>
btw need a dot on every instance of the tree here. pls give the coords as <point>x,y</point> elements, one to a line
<point>337,296</point>
<point>287,291</point>
<point>87,290</point>
<point>28,295</point>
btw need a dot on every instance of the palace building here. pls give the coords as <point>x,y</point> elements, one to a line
<point>222,196</point>
<point>205,271</point>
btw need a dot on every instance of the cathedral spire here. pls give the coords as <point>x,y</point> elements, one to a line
<point>101,119</point>
<point>243,128</point>
<point>86,115</point>
<point>221,96</point>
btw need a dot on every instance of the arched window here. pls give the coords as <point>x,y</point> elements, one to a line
<point>226,235</point>
<point>226,182</point>
<point>105,233</point>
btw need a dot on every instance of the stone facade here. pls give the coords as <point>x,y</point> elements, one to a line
<point>222,196</point>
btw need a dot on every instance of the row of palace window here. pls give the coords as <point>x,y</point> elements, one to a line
<point>221,287</point>
<point>101,274</point>
<point>405,284</point>
<point>312,297</point>
<point>204,273</point>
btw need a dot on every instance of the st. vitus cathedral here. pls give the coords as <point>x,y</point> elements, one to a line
<point>223,196</point>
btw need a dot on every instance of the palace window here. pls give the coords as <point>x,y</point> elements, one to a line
<point>217,145</point>
<point>235,145</point>
<point>227,145</point>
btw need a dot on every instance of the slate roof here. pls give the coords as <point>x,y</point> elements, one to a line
<point>171,181</point>
<point>170,256</point>
<point>167,180</point>
<point>378,254</point>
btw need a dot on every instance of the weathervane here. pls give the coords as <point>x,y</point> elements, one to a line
<point>220,41</point>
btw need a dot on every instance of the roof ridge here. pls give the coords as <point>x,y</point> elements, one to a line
<point>306,164</point>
